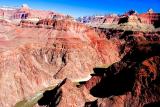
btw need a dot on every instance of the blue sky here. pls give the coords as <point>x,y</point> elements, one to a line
<point>87,7</point>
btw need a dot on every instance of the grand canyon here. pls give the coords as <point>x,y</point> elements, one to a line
<point>48,59</point>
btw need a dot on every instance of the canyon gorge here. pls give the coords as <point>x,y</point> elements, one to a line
<point>48,59</point>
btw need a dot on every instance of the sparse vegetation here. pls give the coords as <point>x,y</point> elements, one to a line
<point>30,102</point>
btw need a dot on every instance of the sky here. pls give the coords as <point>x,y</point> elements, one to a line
<point>78,8</point>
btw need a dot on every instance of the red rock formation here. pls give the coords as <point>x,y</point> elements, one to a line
<point>133,82</point>
<point>111,19</point>
<point>150,18</point>
<point>32,58</point>
<point>24,12</point>
<point>35,55</point>
<point>128,21</point>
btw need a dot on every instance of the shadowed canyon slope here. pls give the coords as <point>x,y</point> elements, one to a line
<point>132,82</point>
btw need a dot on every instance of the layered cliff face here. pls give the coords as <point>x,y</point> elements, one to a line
<point>32,59</point>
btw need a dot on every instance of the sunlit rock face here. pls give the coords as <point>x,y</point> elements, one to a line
<point>33,58</point>
<point>150,18</point>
